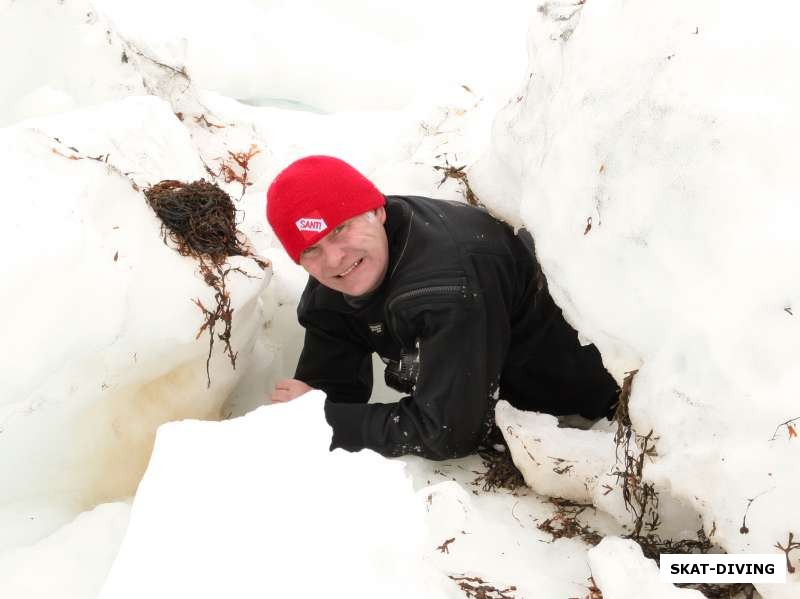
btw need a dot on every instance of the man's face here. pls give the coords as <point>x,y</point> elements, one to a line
<point>353,257</point>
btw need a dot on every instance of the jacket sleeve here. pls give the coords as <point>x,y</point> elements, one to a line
<point>446,413</point>
<point>334,361</point>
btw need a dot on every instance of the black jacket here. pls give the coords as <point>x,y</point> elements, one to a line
<point>468,297</point>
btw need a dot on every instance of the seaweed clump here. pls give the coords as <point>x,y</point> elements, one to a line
<point>199,219</point>
<point>500,473</point>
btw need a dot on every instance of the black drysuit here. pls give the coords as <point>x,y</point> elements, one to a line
<point>465,296</point>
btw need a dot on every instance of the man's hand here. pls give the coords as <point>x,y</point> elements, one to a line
<point>288,389</point>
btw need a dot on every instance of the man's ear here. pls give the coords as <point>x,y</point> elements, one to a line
<point>380,212</point>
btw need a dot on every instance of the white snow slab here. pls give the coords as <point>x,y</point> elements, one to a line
<point>558,462</point>
<point>72,563</point>
<point>57,56</point>
<point>333,55</point>
<point>581,465</point>
<point>99,314</point>
<point>652,155</point>
<point>259,506</point>
<point>621,571</point>
<point>76,58</point>
<point>494,536</point>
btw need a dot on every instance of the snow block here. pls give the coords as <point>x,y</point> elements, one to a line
<point>558,462</point>
<point>72,563</point>
<point>101,330</point>
<point>621,571</point>
<point>258,506</point>
<point>652,155</point>
<point>73,58</point>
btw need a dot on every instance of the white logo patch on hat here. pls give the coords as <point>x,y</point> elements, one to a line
<point>314,225</point>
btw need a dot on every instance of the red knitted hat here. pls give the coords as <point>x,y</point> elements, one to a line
<point>312,196</point>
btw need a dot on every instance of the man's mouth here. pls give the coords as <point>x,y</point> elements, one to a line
<point>355,264</point>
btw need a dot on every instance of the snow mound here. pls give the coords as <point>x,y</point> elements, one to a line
<point>332,55</point>
<point>583,466</point>
<point>651,153</point>
<point>73,58</point>
<point>621,571</point>
<point>259,505</point>
<point>72,563</point>
<point>557,462</point>
<point>104,306</point>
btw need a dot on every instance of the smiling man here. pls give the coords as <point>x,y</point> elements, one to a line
<point>453,302</point>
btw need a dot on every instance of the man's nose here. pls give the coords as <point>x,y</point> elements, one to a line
<point>334,255</point>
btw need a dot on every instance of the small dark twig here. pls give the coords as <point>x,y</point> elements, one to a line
<point>476,588</point>
<point>565,522</point>
<point>178,71</point>
<point>790,546</point>
<point>789,427</point>
<point>500,473</point>
<point>594,590</point>
<point>744,530</point>
<point>444,546</point>
<point>458,173</point>
<point>223,311</point>
<point>202,120</point>
<point>229,174</point>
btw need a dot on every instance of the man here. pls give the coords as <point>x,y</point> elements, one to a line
<point>453,302</point>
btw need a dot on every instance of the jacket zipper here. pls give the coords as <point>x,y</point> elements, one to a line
<point>438,290</point>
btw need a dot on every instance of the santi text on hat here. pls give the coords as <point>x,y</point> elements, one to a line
<point>312,196</point>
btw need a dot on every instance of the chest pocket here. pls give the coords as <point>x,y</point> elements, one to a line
<point>401,375</point>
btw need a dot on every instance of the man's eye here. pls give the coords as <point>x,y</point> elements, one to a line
<point>340,228</point>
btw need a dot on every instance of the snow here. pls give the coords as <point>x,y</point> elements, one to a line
<point>91,538</point>
<point>542,449</point>
<point>246,506</point>
<point>494,536</point>
<point>57,50</point>
<point>685,170</point>
<point>363,55</point>
<point>648,147</point>
<point>258,504</point>
<point>103,305</point>
<point>621,571</point>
